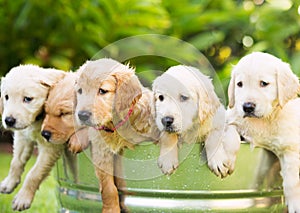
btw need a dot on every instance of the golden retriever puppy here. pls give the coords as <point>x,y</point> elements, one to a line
<point>263,106</point>
<point>187,110</point>
<point>24,90</point>
<point>119,112</point>
<point>59,125</point>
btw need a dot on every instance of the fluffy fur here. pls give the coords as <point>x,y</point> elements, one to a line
<point>263,105</point>
<point>24,90</point>
<point>187,110</point>
<point>119,112</point>
<point>59,125</point>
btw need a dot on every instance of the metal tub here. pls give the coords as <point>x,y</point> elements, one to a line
<point>255,185</point>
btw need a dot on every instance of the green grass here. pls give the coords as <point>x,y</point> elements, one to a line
<point>45,198</point>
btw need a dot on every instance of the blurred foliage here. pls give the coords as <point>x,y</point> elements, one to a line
<point>65,33</point>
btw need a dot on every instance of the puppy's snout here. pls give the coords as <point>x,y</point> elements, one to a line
<point>10,121</point>
<point>167,121</point>
<point>84,115</point>
<point>46,134</point>
<point>249,107</point>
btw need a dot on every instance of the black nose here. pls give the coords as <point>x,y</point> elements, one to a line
<point>249,107</point>
<point>167,121</point>
<point>10,121</point>
<point>84,115</point>
<point>46,134</point>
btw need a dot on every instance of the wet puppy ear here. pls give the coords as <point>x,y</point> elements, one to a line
<point>51,76</point>
<point>287,83</point>
<point>208,101</point>
<point>128,90</point>
<point>231,89</point>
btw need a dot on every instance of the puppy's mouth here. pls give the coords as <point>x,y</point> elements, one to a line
<point>171,129</point>
<point>250,115</point>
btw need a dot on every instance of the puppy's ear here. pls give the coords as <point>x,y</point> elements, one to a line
<point>1,99</point>
<point>208,101</point>
<point>51,76</point>
<point>128,90</point>
<point>231,89</point>
<point>287,84</point>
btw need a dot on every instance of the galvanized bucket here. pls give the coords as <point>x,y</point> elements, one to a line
<point>255,185</point>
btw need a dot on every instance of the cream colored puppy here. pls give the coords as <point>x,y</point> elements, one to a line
<point>263,106</point>
<point>187,110</point>
<point>24,90</point>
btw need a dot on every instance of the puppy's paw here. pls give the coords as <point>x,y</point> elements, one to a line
<point>22,200</point>
<point>231,163</point>
<point>220,164</point>
<point>292,200</point>
<point>167,164</point>
<point>8,185</point>
<point>79,141</point>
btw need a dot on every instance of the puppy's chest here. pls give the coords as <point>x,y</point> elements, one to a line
<point>33,133</point>
<point>264,135</point>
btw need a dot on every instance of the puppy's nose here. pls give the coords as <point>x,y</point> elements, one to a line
<point>46,134</point>
<point>249,107</point>
<point>10,121</point>
<point>167,121</point>
<point>84,115</point>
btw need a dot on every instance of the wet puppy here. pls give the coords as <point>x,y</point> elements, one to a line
<point>119,112</point>
<point>187,110</point>
<point>263,105</point>
<point>24,91</point>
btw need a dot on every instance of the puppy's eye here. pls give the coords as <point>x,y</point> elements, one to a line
<point>79,91</point>
<point>263,84</point>
<point>27,99</point>
<point>6,97</point>
<point>102,91</point>
<point>240,84</point>
<point>183,98</point>
<point>64,114</point>
<point>161,97</point>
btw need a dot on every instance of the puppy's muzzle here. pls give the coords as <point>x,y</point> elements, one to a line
<point>10,121</point>
<point>249,109</point>
<point>84,115</point>
<point>46,134</point>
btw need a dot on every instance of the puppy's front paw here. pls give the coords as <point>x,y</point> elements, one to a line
<point>22,200</point>
<point>292,200</point>
<point>167,164</point>
<point>219,163</point>
<point>8,185</point>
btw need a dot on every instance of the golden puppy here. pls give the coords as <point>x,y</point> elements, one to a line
<point>119,111</point>
<point>263,105</point>
<point>59,125</point>
<point>24,91</point>
<point>187,110</point>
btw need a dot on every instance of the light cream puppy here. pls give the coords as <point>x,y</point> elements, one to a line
<point>187,110</point>
<point>263,106</point>
<point>24,90</point>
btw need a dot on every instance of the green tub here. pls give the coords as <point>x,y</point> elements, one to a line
<point>255,185</point>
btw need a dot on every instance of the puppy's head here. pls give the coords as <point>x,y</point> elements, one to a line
<point>259,83</point>
<point>105,91</point>
<point>24,90</point>
<point>59,123</point>
<point>182,95</point>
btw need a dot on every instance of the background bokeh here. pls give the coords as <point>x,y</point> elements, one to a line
<point>65,33</point>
